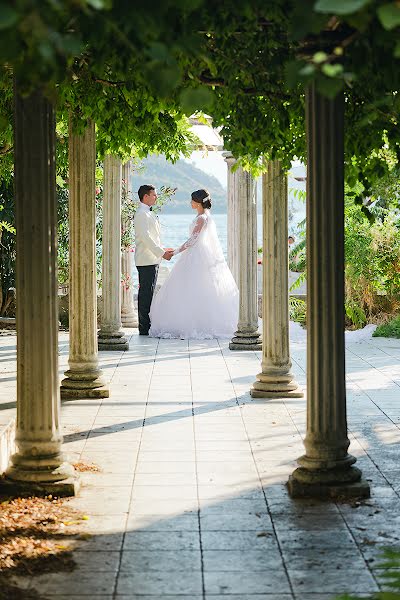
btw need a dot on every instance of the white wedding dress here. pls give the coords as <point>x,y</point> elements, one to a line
<point>199,299</point>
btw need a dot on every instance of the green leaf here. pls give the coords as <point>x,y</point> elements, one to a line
<point>70,45</point>
<point>8,16</point>
<point>332,70</point>
<point>99,4</point>
<point>7,226</point>
<point>320,57</point>
<point>396,52</point>
<point>60,181</point>
<point>328,86</point>
<point>307,70</point>
<point>292,74</point>
<point>340,7</point>
<point>198,99</point>
<point>389,15</point>
<point>159,51</point>
<point>338,51</point>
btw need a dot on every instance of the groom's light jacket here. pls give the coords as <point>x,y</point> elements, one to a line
<point>148,250</point>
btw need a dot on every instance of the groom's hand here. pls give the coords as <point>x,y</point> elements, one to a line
<point>168,254</point>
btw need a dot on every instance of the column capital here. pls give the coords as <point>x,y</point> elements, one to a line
<point>229,158</point>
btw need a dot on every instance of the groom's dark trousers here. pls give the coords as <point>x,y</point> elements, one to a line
<point>147,283</point>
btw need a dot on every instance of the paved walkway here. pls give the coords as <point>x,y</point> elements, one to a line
<point>191,504</point>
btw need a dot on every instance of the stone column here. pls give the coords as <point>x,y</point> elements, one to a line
<point>275,379</point>
<point>83,379</point>
<point>232,236</point>
<point>110,335</point>
<point>38,467</point>
<point>247,336</point>
<point>129,316</point>
<point>326,469</point>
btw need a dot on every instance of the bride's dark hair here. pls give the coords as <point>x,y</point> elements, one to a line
<point>202,197</point>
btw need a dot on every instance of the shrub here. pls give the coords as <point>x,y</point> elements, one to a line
<point>389,329</point>
<point>297,310</point>
<point>372,260</point>
<point>390,571</point>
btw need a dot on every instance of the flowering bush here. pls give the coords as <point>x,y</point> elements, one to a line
<point>126,281</point>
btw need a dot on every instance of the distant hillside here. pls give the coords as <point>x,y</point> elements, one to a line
<point>184,176</point>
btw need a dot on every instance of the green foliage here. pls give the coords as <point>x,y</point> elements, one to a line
<point>298,261</point>
<point>63,235</point>
<point>372,253</point>
<point>372,272</point>
<point>390,329</point>
<point>6,129</point>
<point>297,310</point>
<point>136,68</point>
<point>390,572</point>
<point>298,257</point>
<point>129,206</point>
<point>7,242</point>
<point>355,314</point>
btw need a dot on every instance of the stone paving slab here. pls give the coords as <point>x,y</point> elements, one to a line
<point>190,501</point>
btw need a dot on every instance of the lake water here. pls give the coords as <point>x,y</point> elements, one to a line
<point>175,229</point>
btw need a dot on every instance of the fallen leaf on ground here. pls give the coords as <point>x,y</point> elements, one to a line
<point>83,467</point>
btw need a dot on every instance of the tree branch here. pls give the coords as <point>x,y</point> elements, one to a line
<point>251,91</point>
<point>6,149</point>
<point>110,83</point>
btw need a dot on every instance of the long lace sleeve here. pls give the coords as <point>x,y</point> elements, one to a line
<point>200,223</point>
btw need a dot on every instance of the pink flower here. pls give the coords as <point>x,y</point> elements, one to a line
<point>259,262</point>
<point>98,190</point>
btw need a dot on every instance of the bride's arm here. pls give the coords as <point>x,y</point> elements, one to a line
<point>193,238</point>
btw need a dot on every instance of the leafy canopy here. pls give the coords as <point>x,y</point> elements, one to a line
<point>137,68</point>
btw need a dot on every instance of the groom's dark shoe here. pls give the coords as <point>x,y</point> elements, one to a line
<point>143,333</point>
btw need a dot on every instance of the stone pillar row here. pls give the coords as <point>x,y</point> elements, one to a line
<point>83,378</point>
<point>326,469</point>
<point>247,336</point>
<point>275,379</point>
<point>110,336</point>
<point>232,230</point>
<point>129,316</point>
<point>38,465</point>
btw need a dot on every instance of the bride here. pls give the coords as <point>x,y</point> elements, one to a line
<point>199,299</point>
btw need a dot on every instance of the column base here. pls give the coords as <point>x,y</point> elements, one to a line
<point>80,385</point>
<point>301,489</point>
<point>81,393</point>
<point>130,320</point>
<point>262,392</point>
<point>112,341</point>
<point>246,342</point>
<point>39,475</point>
<point>65,487</point>
<point>275,386</point>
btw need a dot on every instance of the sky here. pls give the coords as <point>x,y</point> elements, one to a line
<point>211,162</point>
<point>214,163</point>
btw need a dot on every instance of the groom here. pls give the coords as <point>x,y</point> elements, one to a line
<point>148,253</point>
